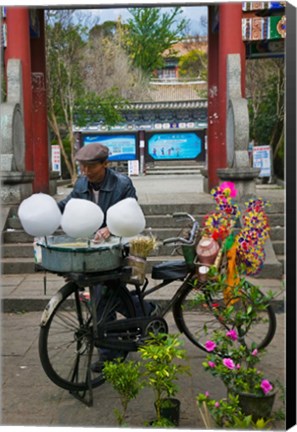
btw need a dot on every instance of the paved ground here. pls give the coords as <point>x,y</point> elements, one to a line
<point>29,398</point>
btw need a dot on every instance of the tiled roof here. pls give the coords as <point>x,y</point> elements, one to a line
<point>174,91</point>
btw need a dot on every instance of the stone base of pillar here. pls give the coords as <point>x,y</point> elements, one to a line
<point>54,176</point>
<point>204,172</point>
<point>16,186</point>
<point>244,180</point>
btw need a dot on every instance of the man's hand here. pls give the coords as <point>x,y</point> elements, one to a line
<point>101,235</point>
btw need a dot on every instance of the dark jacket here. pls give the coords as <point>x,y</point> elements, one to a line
<point>115,188</point>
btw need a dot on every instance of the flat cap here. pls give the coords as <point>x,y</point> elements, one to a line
<point>92,153</point>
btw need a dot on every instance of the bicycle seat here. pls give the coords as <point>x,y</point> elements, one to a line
<point>170,270</point>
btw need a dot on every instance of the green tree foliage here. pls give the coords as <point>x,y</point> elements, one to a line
<point>108,66</point>
<point>265,84</point>
<point>149,33</point>
<point>69,101</point>
<point>106,29</point>
<point>193,64</point>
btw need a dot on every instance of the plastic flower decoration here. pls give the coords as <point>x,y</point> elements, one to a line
<point>251,239</point>
<point>229,189</point>
<point>218,224</point>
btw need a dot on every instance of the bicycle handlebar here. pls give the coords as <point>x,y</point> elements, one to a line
<point>193,231</point>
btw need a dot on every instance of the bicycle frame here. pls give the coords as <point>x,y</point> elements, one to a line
<point>142,292</point>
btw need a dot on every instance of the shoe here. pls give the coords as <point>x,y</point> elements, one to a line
<point>156,309</point>
<point>98,366</point>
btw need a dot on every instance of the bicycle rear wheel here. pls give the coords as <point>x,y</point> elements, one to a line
<point>66,339</point>
<point>198,320</point>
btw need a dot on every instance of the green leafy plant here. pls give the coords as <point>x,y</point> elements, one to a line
<point>280,414</point>
<point>160,351</point>
<point>226,413</point>
<point>234,364</point>
<point>239,307</point>
<point>125,377</point>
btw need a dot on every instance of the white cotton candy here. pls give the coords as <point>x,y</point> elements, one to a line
<point>81,218</point>
<point>125,219</point>
<point>39,215</point>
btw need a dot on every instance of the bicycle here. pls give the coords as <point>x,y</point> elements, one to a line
<point>68,336</point>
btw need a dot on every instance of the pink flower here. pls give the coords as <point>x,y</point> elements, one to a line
<point>255,352</point>
<point>211,364</point>
<point>232,335</point>
<point>229,363</point>
<point>206,393</point>
<point>210,345</point>
<point>217,404</point>
<point>228,188</point>
<point>238,366</point>
<point>266,386</point>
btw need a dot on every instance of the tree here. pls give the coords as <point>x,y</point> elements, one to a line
<point>265,93</point>
<point>193,64</point>
<point>108,66</point>
<point>68,98</point>
<point>149,33</point>
<point>106,29</point>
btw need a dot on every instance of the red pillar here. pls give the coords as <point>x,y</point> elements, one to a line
<point>39,113</point>
<point>213,142</point>
<point>18,47</point>
<point>227,41</point>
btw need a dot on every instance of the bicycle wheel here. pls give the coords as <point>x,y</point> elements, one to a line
<point>198,320</point>
<point>66,340</point>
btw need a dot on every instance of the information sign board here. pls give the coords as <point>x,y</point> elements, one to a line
<point>262,159</point>
<point>56,158</point>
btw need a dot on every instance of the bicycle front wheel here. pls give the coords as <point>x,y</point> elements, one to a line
<point>198,320</point>
<point>66,339</point>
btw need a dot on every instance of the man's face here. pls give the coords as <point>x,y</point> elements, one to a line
<point>94,172</point>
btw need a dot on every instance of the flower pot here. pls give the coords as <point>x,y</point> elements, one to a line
<point>259,406</point>
<point>170,409</point>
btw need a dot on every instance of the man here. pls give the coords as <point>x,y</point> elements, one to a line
<point>105,187</point>
<point>99,183</point>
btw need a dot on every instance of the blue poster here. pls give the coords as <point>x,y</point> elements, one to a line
<point>174,145</point>
<point>121,146</point>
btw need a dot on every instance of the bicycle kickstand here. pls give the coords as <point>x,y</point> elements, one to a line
<point>82,395</point>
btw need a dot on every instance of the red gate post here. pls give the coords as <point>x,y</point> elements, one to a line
<point>39,114</point>
<point>213,139</point>
<point>225,37</point>
<point>18,47</point>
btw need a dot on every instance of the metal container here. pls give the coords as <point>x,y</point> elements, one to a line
<point>65,254</point>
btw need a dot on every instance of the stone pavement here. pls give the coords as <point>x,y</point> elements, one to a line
<point>29,398</point>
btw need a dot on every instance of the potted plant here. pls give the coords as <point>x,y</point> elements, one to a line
<point>160,352</point>
<point>226,413</point>
<point>235,365</point>
<point>125,378</point>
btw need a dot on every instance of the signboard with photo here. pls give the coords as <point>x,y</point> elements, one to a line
<point>175,145</point>
<point>122,147</point>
